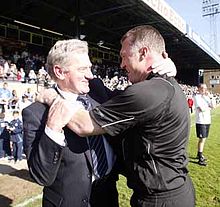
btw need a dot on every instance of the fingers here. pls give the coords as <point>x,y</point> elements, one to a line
<point>165,66</point>
<point>54,102</point>
<point>47,96</point>
<point>157,66</point>
<point>60,113</point>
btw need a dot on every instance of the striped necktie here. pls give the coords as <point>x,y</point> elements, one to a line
<point>96,144</point>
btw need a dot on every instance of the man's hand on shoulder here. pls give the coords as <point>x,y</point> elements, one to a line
<point>47,96</point>
<point>165,66</point>
<point>60,113</point>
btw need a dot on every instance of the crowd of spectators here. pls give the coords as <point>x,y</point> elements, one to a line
<point>112,75</point>
<point>28,68</point>
<point>23,66</point>
<point>12,102</point>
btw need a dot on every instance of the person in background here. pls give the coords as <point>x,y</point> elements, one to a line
<point>5,96</point>
<point>15,128</point>
<point>190,103</point>
<point>42,73</point>
<point>18,75</point>
<point>13,71</point>
<point>32,77</point>
<point>16,56</point>
<point>2,71</point>
<point>2,138</point>
<point>25,53</point>
<point>21,75</point>
<point>29,94</point>
<point>13,102</point>
<point>6,68</point>
<point>203,106</point>
<point>23,103</point>
<point>5,93</point>
<point>5,151</point>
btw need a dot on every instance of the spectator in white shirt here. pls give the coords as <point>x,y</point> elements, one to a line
<point>203,106</point>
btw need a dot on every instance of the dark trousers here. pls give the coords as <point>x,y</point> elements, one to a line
<point>5,148</point>
<point>2,151</point>
<point>181,197</point>
<point>17,150</point>
<point>104,192</point>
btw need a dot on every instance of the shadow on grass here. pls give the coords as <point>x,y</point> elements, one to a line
<point>5,201</point>
<point>193,160</point>
<point>22,174</point>
<point>6,169</point>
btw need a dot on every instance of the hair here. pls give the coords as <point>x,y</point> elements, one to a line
<point>5,84</point>
<point>2,62</point>
<point>15,112</point>
<point>61,53</point>
<point>145,36</point>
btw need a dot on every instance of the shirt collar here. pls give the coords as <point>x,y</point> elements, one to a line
<point>67,95</point>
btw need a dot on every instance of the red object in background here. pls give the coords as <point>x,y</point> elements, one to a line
<point>190,102</point>
<point>19,76</point>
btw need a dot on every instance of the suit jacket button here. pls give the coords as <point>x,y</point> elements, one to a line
<point>56,157</point>
<point>89,176</point>
<point>85,200</point>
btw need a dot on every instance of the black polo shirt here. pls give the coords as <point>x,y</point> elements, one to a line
<point>153,117</point>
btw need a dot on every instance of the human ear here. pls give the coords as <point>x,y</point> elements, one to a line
<point>143,53</point>
<point>58,72</point>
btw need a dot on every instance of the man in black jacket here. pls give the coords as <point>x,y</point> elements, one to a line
<point>58,159</point>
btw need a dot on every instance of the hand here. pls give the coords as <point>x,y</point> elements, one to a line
<point>12,128</point>
<point>60,113</point>
<point>166,66</point>
<point>47,96</point>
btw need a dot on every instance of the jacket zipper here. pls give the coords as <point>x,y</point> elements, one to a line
<point>154,165</point>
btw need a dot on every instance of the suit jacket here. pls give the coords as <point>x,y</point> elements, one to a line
<point>65,172</point>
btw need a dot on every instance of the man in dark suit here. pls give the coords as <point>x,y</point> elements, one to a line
<point>57,158</point>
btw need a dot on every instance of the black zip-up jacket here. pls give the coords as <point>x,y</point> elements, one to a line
<point>153,117</point>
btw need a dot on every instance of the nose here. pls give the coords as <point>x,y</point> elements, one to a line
<point>89,74</point>
<point>122,65</point>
